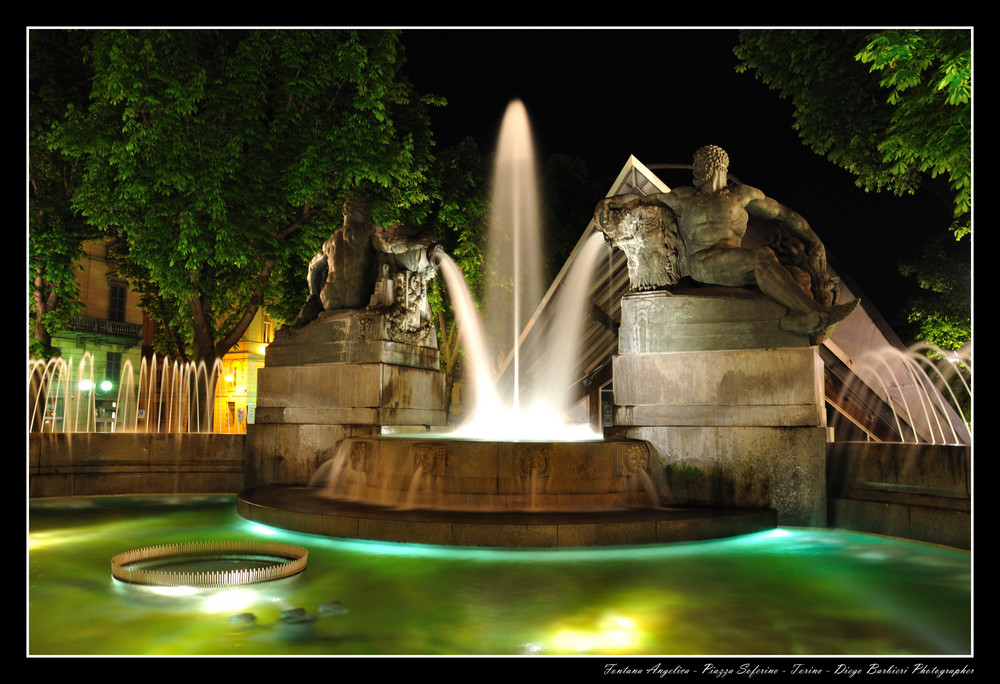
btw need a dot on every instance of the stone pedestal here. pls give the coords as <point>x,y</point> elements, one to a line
<point>346,374</point>
<point>732,403</point>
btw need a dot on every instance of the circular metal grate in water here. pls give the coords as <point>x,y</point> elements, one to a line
<point>196,564</point>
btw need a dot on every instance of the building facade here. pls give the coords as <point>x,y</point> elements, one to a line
<point>105,347</point>
<point>105,338</point>
<point>236,388</point>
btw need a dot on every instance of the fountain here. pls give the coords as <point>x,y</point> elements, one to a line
<point>718,385</point>
<point>338,383</point>
<point>148,434</point>
<point>515,471</point>
<point>781,591</point>
<point>913,384</point>
<point>161,398</point>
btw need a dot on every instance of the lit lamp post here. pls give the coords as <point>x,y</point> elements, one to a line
<point>90,394</point>
<point>85,387</point>
<point>103,390</point>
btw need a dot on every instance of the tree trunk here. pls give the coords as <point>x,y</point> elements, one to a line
<point>204,357</point>
<point>42,306</point>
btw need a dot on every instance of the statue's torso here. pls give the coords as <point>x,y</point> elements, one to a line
<point>352,261</point>
<point>706,220</point>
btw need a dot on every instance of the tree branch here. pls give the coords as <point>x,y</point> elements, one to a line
<point>295,225</point>
<point>253,305</point>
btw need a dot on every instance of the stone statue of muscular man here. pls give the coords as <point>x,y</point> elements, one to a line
<point>698,232</point>
<point>364,265</point>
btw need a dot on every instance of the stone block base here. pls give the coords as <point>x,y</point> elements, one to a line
<point>745,387</point>
<point>353,337</point>
<point>107,464</point>
<point>350,394</point>
<point>914,491</point>
<point>731,401</point>
<point>754,467</point>
<point>707,318</point>
<point>291,454</point>
<point>346,374</point>
<point>476,475</point>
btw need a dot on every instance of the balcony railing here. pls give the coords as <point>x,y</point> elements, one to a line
<point>106,327</point>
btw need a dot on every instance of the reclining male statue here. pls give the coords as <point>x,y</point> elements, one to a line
<point>698,232</point>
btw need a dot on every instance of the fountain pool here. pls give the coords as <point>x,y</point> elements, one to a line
<point>788,591</point>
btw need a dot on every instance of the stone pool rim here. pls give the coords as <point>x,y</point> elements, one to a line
<point>304,509</point>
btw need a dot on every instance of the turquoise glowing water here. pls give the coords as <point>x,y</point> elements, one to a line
<point>791,592</point>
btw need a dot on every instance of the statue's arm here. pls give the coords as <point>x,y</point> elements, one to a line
<point>398,239</point>
<point>319,269</point>
<point>672,200</point>
<point>767,208</point>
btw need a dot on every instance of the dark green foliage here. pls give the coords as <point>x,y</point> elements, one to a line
<point>898,124</point>
<point>941,316</point>
<point>892,107</point>
<point>929,78</point>
<point>839,108</point>
<point>221,159</point>
<point>57,92</point>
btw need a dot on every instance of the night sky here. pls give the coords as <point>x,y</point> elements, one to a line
<point>604,94</point>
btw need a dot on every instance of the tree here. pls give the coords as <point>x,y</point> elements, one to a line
<point>903,123</point>
<point>221,159</point>
<point>57,78</point>
<point>941,316</point>
<point>929,76</point>
<point>894,109</point>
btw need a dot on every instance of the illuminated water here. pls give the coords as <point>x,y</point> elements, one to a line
<point>512,291</point>
<point>914,383</point>
<point>793,592</point>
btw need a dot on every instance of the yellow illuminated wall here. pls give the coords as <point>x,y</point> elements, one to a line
<point>236,389</point>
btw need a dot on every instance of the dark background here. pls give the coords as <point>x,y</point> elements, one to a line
<point>603,94</point>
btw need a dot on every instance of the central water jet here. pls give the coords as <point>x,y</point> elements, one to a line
<point>513,284</point>
<point>505,406</point>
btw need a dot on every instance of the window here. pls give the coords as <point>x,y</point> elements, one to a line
<point>116,301</point>
<point>267,331</point>
<point>113,367</point>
